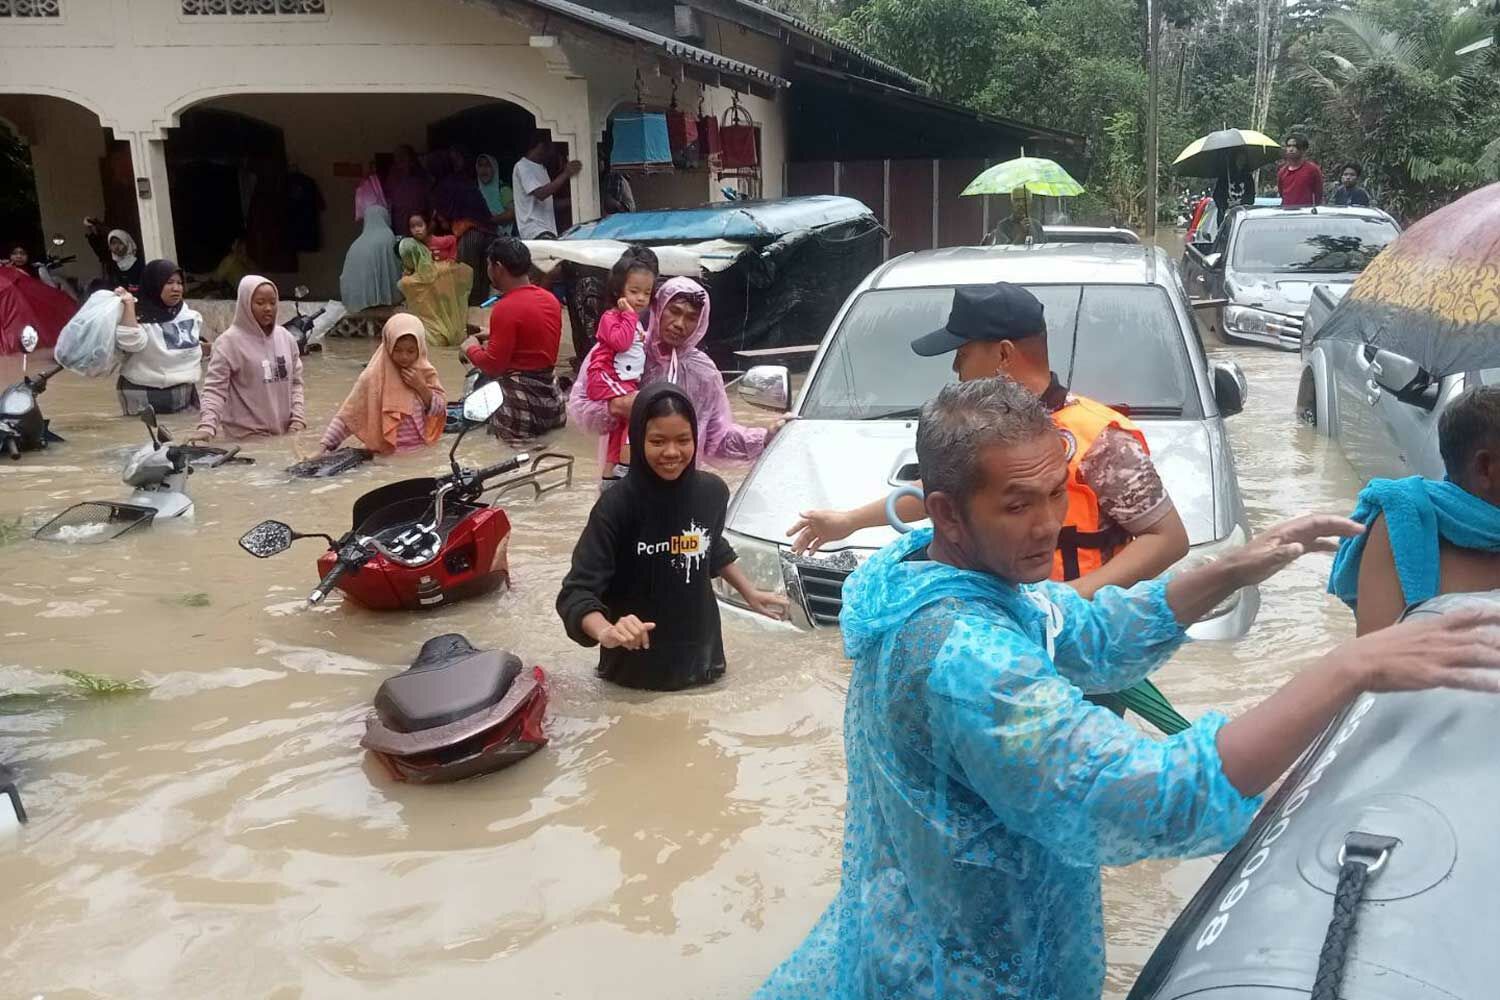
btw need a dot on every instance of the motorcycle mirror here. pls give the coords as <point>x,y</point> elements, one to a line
<point>268,538</point>
<point>148,416</point>
<point>58,240</point>
<point>301,292</point>
<point>483,403</point>
<point>29,339</point>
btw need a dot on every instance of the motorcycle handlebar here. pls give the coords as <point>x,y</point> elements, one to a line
<point>346,562</point>
<point>500,468</point>
<point>38,382</point>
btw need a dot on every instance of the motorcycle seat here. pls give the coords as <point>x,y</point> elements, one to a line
<point>429,695</point>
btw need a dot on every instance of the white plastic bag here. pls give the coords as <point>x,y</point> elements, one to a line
<point>87,344</point>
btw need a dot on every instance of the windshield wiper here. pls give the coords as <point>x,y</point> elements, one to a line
<point>906,414</point>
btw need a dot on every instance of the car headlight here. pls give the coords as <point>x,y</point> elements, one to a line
<point>1243,319</point>
<point>761,562</point>
<point>1202,555</point>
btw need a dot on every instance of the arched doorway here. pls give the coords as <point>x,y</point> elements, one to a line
<point>20,213</point>
<point>229,181</point>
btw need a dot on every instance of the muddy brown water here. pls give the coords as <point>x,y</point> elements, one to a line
<point>223,835</point>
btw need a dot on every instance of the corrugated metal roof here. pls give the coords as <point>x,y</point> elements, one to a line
<point>808,30</point>
<point>621,28</point>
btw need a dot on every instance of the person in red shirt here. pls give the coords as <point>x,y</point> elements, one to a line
<point>1299,179</point>
<point>521,352</point>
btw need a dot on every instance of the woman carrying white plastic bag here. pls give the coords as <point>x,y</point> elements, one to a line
<point>87,344</point>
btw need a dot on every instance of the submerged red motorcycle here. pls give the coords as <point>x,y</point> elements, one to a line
<point>422,543</point>
<point>457,712</point>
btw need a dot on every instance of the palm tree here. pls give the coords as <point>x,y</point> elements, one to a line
<point>1359,49</point>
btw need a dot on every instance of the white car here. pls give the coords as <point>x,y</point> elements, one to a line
<point>1120,330</point>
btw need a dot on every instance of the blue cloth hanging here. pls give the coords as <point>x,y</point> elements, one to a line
<point>1418,514</point>
<point>640,140</point>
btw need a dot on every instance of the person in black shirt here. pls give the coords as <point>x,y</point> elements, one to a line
<point>639,586</point>
<point>1349,194</point>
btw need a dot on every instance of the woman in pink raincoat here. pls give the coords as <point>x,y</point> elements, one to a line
<point>678,323</point>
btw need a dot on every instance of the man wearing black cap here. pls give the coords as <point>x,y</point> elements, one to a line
<point>1121,526</point>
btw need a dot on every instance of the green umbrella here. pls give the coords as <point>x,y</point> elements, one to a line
<point>1034,173</point>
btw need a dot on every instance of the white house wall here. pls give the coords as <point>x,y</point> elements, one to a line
<point>138,64</point>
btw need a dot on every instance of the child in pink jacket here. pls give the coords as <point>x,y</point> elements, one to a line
<point>614,366</point>
<point>253,386</point>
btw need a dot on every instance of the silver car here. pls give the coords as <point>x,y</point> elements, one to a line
<point>1381,407</point>
<point>1264,263</point>
<point>1120,330</point>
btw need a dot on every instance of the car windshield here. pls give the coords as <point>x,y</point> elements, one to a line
<point>1319,244</point>
<point>1122,345</point>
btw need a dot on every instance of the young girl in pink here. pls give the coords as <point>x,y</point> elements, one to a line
<point>615,364</point>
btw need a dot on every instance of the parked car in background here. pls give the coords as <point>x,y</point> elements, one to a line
<point>1264,263</point>
<point>1119,330</point>
<point>1090,234</point>
<point>1381,407</point>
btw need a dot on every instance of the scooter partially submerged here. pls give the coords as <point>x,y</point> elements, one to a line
<point>421,543</point>
<point>158,472</point>
<point>456,712</point>
<point>22,426</point>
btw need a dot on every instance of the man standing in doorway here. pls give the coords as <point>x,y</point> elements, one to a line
<point>1300,180</point>
<point>1349,194</point>
<point>534,188</point>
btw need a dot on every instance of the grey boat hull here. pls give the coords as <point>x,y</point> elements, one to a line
<point>1417,767</point>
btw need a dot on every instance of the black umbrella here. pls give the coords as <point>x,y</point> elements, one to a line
<point>1209,155</point>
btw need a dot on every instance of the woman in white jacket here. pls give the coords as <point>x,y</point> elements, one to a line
<point>160,340</point>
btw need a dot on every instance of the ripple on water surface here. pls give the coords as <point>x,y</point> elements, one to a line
<point>223,835</point>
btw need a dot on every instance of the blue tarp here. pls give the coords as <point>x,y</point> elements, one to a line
<point>745,221</point>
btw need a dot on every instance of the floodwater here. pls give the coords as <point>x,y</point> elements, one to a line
<point>222,834</point>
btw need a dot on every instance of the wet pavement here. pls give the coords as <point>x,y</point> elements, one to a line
<point>222,834</point>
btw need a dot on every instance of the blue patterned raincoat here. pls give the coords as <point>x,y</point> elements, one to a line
<point>985,793</point>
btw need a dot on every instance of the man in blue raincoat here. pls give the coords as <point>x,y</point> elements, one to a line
<point>984,791</point>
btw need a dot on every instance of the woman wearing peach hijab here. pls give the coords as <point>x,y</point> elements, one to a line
<point>397,404</point>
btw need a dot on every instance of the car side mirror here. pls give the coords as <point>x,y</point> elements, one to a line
<point>1230,388</point>
<point>768,387</point>
<point>1395,373</point>
<point>1213,261</point>
<point>266,539</point>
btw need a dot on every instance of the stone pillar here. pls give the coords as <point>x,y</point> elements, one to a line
<point>571,121</point>
<point>153,195</point>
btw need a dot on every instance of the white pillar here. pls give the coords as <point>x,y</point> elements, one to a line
<point>153,195</point>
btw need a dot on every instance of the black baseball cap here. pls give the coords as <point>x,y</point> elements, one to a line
<point>1001,311</point>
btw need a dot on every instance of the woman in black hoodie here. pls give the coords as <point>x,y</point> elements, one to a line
<point>640,583</point>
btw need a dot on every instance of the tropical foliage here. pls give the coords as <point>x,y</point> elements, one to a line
<point>1379,82</point>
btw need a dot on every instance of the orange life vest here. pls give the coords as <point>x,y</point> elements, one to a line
<point>1088,540</point>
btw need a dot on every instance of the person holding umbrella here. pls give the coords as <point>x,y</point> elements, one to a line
<point>1230,156</point>
<point>1018,228</point>
<point>1019,179</point>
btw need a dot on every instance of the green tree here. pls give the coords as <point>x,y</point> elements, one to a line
<point>952,44</point>
<point>1404,104</point>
